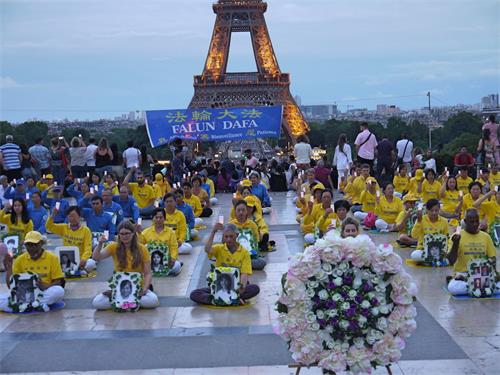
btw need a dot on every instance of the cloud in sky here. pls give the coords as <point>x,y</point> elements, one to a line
<point>143,55</point>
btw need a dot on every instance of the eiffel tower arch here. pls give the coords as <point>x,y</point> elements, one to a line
<point>216,88</point>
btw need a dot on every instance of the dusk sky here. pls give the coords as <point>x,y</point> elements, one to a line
<point>91,59</point>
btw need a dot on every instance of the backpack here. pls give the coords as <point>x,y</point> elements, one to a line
<point>369,221</point>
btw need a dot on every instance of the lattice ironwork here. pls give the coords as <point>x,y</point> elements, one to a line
<point>268,86</point>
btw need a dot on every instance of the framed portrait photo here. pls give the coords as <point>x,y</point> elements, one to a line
<point>481,278</point>
<point>69,258</point>
<point>248,241</point>
<point>125,289</point>
<point>224,284</point>
<point>160,258</point>
<point>13,243</point>
<point>435,249</point>
<point>24,293</point>
<point>495,233</point>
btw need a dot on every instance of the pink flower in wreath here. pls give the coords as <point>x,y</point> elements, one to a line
<point>129,305</point>
<point>403,288</point>
<point>333,361</point>
<point>302,266</point>
<point>388,349</point>
<point>359,360</point>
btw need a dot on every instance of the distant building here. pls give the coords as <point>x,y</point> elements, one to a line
<point>381,109</point>
<point>490,101</point>
<point>131,116</point>
<point>319,112</point>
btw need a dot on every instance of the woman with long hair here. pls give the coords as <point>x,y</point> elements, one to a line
<point>128,256</point>
<point>342,158</point>
<point>450,198</point>
<point>17,218</point>
<point>486,149</point>
<point>103,157</point>
<point>58,159</point>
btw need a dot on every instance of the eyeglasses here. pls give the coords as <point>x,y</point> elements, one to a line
<point>125,233</point>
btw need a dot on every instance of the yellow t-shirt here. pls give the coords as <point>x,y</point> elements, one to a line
<point>18,228</point>
<point>463,184</point>
<point>468,202</point>
<point>81,238</point>
<point>113,247</point>
<point>142,194</point>
<point>357,188</point>
<point>202,195</point>
<point>177,222</point>
<point>473,246</point>
<point>430,191</point>
<point>47,267</point>
<point>368,201</point>
<point>261,224</point>
<point>114,190</point>
<point>490,209</point>
<point>161,188</point>
<point>195,204</point>
<point>401,183</point>
<point>224,258</point>
<point>389,211</point>
<point>323,222</point>
<point>494,180</point>
<point>399,220</point>
<point>316,212</point>
<point>428,227</point>
<point>166,236</point>
<point>210,184</point>
<point>42,187</point>
<point>450,201</point>
<point>413,187</point>
<point>249,224</point>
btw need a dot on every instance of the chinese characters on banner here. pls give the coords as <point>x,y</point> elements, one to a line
<point>222,124</point>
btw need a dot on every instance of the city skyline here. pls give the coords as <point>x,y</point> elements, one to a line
<point>89,59</point>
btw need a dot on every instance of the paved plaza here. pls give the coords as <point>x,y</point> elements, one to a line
<point>453,337</point>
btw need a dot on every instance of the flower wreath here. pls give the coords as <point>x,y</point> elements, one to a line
<point>234,298</point>
<point>114,282</point>
<point>159,246</point>
<point>346,305</point>
<point>35,305</point>
<point>481,277</point>
<point>439,240</point>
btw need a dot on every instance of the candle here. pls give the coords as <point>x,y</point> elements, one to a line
<point>221,219</point>
<point>139,221</point>
<point>58,205</point>
<point>106,234</point>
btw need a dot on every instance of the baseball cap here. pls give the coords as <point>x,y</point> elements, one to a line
<point>33,237</point>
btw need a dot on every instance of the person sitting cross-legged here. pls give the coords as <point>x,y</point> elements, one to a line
<point>468,244</point>
<point>160,232</point>
<point>128,256</point>
<point>229,253</point>
<point>187,211</point>
<point>74,233</point>
<point>431,223</point>
<point>37,260</point>
<point>406,220</point>
<point>175,220</point>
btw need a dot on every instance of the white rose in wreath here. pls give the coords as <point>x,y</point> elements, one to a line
<point>327,268</point>
<point>320,314</point>
<point>344,324</point>
<point>365,304</point>
<point>477,292</point>
<point>337,281</point>
<point>323,294</point>
<point>310,317</point>
<point>345,306</point>
<point>352,293</point>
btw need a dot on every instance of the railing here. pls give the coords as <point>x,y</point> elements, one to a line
<point>242,78</point>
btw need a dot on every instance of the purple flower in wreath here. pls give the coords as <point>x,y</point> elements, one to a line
<point>367,287</point>
<point>374,302</point>
<point>353,324</point>
<point>322,323</point>
<point>331,304</point>
<point>334,321</point>
<point>344,294</point>
<point>350,312</point>
<point>359,298</point>
<point>347,280</point>
<point>331,285</point>
<point>365,312</point>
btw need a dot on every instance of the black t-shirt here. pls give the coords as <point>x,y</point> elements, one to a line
<point>384,149</point>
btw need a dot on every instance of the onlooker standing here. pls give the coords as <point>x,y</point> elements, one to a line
<point>11,158</point>
<point>486,149</point>
<point>58,159</point>
<point>322,174</point>
<point>90,155</point>
<point>77,152</point>
<point>103,158</point>
<point>41,157</point>
<point>493,128</point>
<point>302,152</point>
<point>178,165</point>
<point>342,158</point>
<point>365,143</point>
<point>405,149</point>
<point>251,161</point>
<point>147,161</point>
<point>385,156</point>
<point>429,161</point>
<point>117,161</point>
<point>131,156</point>
<point>27,169</point>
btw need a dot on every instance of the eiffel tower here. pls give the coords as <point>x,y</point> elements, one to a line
<point>216,88</point>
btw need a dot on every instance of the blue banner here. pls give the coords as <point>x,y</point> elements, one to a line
<point>209,124</point>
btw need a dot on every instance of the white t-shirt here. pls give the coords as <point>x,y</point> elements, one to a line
<point>89,155</point>
<point>400,145</point>
<point>302,152</point>
<point>132,156</point>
